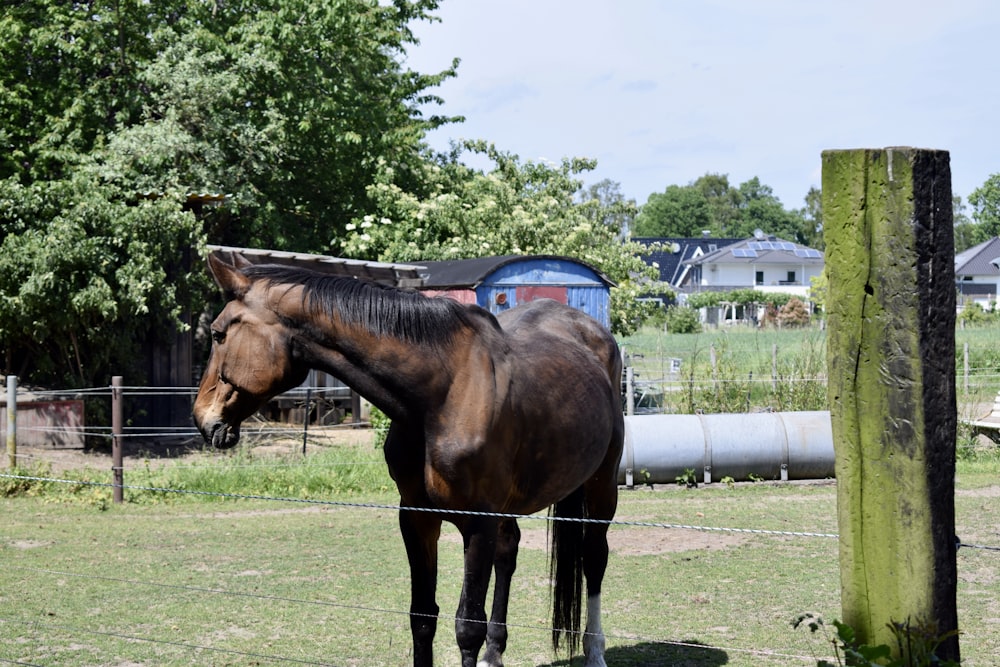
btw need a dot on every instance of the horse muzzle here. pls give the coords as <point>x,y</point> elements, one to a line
<point>220,435</point>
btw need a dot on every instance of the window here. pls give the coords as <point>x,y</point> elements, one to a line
<point>791,276</point>
<point>759,278</point>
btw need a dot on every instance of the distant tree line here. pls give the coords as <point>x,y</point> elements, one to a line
<point>711,205</point>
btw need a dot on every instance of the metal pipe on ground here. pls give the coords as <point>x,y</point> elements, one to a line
<point>659,449</point>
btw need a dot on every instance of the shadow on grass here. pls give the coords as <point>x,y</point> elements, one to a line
<point>650,654</point>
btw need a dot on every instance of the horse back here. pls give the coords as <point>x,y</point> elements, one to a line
<point>553,318</point>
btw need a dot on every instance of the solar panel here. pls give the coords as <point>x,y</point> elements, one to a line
<point>771,245</point>
<point>744,252</point>
<point>810,253</point>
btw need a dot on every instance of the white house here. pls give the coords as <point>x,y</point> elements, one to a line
<point>762,262</point>
<point>977,274</point>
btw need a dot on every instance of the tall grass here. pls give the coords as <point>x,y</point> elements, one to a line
<point>744,369</point>
<point>729,370</point>
<point>341,471</point>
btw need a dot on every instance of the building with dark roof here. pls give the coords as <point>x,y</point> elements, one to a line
<point>761,262</point>
<point>977,274</point>
<point>670,256</point>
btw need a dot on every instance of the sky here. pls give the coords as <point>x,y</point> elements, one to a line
<point>661,92</point>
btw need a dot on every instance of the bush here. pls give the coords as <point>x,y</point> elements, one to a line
<point>682,319</point>
<point>793,314</point>
<point>973,314</point>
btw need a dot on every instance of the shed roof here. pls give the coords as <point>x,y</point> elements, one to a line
<point>407,275</point>
<point>470,273</point>
<point>978,260</point>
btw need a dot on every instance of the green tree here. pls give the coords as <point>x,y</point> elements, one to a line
<point>111,111</point>
<point>679,211</point>
<point>818,288</point>
<point>760,209</point>
<point>604,203</point>
<point>724,203</point>
<point>985,204</point>
<point>967,232</point>
<point>82,292</point>
<point>515,208</point>
<point>285,105</point>
<point>711,203</point>
<point>812,216</point>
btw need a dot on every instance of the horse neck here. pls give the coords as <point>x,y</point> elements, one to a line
<point>399,377</point>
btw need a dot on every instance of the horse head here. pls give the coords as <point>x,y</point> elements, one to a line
<point>251,359</point>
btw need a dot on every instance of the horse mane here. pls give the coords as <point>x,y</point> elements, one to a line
<point>383,310</point>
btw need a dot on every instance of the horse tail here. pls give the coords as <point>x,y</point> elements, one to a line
<point>566,570</point>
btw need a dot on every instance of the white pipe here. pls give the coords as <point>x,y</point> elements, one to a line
<point>765,445</point>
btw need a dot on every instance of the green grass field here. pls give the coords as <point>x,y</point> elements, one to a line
<point>742,369</point>
<point>190,580</point>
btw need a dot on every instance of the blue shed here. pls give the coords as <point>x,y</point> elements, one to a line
<point>499,283</point>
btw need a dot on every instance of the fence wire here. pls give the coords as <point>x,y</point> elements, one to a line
<point>147,432</point>
<point>429,510</point>
<point>436,510</point>
<point>762,654</point>
<point>349,607</point>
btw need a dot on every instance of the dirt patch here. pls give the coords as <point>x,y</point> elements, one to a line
<point>185,451</point>
<point>984,492</point>
<point>28,544</point>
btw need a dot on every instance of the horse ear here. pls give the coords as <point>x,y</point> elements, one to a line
<point>239,261</point>
<point>228,277</point>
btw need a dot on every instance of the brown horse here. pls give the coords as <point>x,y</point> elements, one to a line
<point>489,416</point>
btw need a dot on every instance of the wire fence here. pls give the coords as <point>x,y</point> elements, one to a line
<point>271,431</point>
<point>647,392</point>
<point>49,627</point>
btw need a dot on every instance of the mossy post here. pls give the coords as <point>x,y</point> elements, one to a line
<point>891,360</point>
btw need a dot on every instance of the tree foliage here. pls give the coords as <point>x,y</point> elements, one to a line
<point>712,204</point>
<point>605,204</point>
<point>985,204</point>
<point>112,111</point>
<point>514,208</point>
<point>80,293</point>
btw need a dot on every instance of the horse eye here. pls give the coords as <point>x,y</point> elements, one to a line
<point>218,336</point>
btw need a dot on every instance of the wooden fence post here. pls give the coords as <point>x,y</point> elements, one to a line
<point>891,362</point>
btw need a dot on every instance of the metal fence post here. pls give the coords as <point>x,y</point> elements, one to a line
<point>629,391</point>
<point>965,375</point>
<point>116,438</point>
<point>12,420</point>
<point>305,420</point>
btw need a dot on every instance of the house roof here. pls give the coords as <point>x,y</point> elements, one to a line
<point>762,250</point>
<point>382,272</point>
<point>978,260</point>
<point>470,273</point>
<point>671,254</point>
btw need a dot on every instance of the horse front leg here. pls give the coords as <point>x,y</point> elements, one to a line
<point>420,533</point>
<point>479,536</point>
<point>504,564</point>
